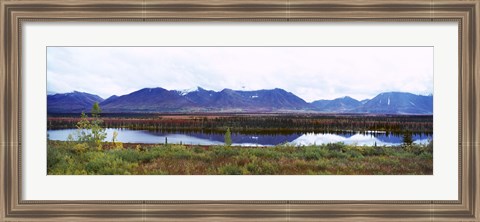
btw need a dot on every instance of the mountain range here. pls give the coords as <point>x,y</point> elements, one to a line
<point>153,100</point>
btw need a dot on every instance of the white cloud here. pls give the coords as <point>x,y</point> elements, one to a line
<point>309,72</point>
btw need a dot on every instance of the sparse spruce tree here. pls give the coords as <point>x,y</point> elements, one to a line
<point>228,138</point>
<point>114,136</point>
<point>115,143</point>
<point>96,110</point>
<point>83,127</point>
<point>98,132</point>
<point>91,131</point>
<point>407,139</point>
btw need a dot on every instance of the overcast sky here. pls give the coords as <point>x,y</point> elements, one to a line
<point>311,73</point>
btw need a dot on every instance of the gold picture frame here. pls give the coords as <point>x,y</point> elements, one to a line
<point>14,13</point>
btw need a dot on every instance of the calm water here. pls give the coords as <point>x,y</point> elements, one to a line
<point>145,136</point>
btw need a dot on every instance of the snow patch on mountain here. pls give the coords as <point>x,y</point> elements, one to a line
<point>187,91</point>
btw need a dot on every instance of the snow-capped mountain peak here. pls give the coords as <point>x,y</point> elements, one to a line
<point>187,91</point>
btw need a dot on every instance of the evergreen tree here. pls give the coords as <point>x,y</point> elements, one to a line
<point>90,130</point>
<point>228,138</point>
<point>407,139</point>
<point>96,110</point>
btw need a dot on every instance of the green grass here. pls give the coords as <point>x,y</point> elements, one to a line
<point>72,158</point>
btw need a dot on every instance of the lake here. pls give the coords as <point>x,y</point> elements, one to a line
<point>194,138</point>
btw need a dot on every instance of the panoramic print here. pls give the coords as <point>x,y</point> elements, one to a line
<point>239,110</point>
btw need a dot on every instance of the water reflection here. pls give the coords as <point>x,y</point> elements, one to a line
<point>145,136</point>
<point>357,139</point>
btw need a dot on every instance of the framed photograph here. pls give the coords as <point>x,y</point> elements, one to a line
<point>234,110</point>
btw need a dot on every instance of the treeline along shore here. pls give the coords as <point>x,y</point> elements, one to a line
<point>256,123</point>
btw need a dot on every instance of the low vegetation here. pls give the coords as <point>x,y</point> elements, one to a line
<point>74,158</point>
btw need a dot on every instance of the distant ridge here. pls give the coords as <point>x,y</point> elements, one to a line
<point>344,104</point>
<point>74,102</point>
<point>398,103</point>
<point>156,100</point>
